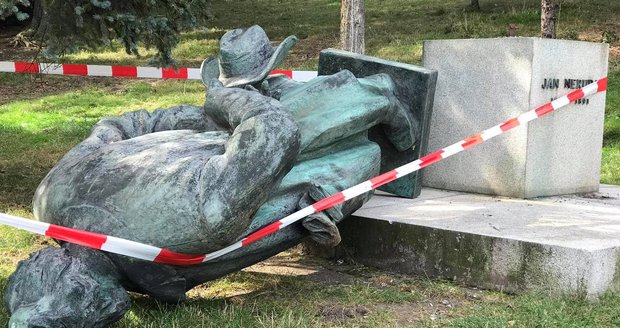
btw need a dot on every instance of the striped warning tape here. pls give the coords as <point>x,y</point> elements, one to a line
<point>125,71</point>
<point>159,255</point>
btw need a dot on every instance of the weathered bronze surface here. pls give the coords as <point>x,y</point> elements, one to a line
<point>414,86</point>
<point>195,179</point>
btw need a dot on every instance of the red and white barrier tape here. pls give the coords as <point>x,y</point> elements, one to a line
<point>159,255</point>
<point>126,71</point>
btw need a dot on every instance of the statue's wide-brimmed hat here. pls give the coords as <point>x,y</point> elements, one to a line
<point>246,57</point>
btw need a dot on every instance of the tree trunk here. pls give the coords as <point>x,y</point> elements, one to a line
<point>474,5</point>
<point>352,25</point>
<point>548,18</point>
<point>38,25</point>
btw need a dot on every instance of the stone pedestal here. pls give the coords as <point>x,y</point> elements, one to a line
<point>482,82</point>
<point>562,245</point>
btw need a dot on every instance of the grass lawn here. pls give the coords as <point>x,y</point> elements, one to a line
<point>41,119</point>
<point>610,170</point>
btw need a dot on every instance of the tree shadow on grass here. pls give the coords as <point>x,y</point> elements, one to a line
<point>4,313</point>
<point>15,87</point>
<point>241,299</point>
<point>611,137</point>
<point>26,159</point>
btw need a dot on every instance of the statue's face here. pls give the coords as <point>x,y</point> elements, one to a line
<point>55,289</point>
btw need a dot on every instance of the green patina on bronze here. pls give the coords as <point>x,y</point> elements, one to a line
<point>414,86</point>
<point>195,179</point>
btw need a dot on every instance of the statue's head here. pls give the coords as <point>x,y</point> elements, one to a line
<point>246,57</point>
<point>65,287</point>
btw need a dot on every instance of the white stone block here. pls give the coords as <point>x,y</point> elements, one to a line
<point>482,82</point>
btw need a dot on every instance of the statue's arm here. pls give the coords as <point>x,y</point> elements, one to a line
<point>262,149</point>
<point>137,123</point>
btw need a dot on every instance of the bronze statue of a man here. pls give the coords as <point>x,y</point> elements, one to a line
<point>195,179</point>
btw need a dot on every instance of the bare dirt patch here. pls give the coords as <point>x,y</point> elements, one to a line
<point>614,52</point>
<point>335,312</point>
<point>315,272</point>
<point>306,51</point>
<point>37,86</point>
<point>11,51</point>
<point>411,314</point>
<point>432,307</point>
<point>609,33</point>
<point>331,277</point>
<point>435,303</point>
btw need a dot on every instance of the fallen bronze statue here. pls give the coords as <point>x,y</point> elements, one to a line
<point>195,179</point>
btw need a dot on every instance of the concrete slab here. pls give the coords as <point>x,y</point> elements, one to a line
<point>561,244</point>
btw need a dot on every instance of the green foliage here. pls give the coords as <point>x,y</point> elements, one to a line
<point>65,26</point>
<point>11,7</point>
<point>91,23</point>
<point>610,37</point>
